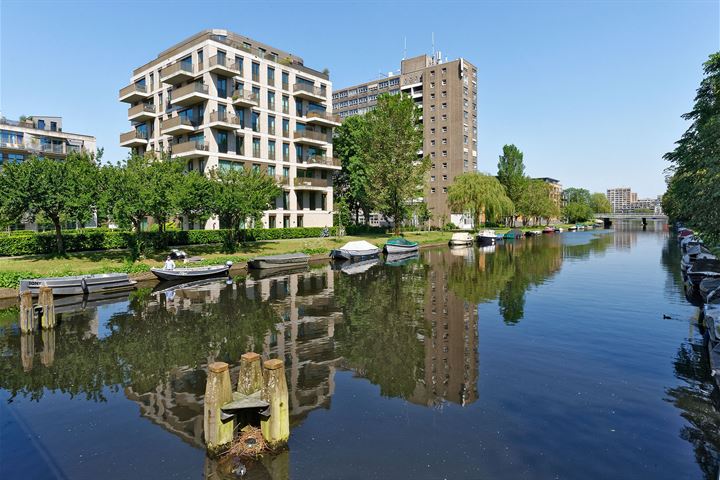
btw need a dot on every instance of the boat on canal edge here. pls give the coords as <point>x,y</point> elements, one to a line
<point>400,245</point>
<point>703,269</point>
<point>287,260</point>
<point>548,230</point>
<point>80,284</point>
<point>461,239</point>
<point>486,237</point>
<point>357,250</point>
<point>514,233</point>
<point>189,273</point>
<point>695,253</point>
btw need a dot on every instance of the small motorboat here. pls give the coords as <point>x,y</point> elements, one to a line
<point>400,245</point>
<point>359,249</point>
<point>548,230</point>
<point>400,259</point>
<point>188,273</point>
<point>514,233</point>
<point>684,232</point>
<point>688,242</point>
<point>486,237</point>
<point>533,233</point>
<point>286,260</point>
<point>80,284</point>
<point>694,253</point>
<point>708,286</point>
<point>702,269</point>
<point>461,239</point>
<point>572,228</point>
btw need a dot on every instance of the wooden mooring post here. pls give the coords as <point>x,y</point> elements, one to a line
<point>276,428</point>
<point>250,379</point>
<point>46,303</point>
<point>27,313</point>
<point>218,392</point>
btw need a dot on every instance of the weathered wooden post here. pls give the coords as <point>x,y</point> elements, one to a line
<point>27,350</point>
<point>251,377</point>
<point>47,357</point>
<point>47,306</point>
<point>27,313</point>
<point>276,429</point>
<point>218,392</point>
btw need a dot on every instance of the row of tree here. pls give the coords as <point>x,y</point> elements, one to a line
<point>130,191</point>
<point>693,190</point>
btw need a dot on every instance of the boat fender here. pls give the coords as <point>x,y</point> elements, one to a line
<point>83,285</point>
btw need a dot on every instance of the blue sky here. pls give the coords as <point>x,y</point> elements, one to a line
<point>592,92</point>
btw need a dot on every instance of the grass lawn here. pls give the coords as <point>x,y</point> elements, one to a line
<point>12,269</point>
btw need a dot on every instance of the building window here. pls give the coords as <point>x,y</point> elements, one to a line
<point>239,63</point>
<point>286,152</point>
<point>271,76</point>
<point>240,145</point>
<point>444,189</point>
<point>444,129</point>
<point>444,154</point>
<point>285,104</point>
<point>271,221</point>
<point>432,189</point>
<point>53,126</point>
<point>286,127</point>
<point>432,143</point>
<point>432,84</point>
<point>444,177</point>
<point>271,124</point>
<point>271,151</point>
<point>444,82</point>
<point>285,81</point>
<point>255,125</point>
<point>444,141</point>
<point>41,124</point>
<point>255,72</point>
<point>444,117</point>
<point>444,105</point>
<point>432,178</point>
<point>256,147</point>
<point>444,165</point>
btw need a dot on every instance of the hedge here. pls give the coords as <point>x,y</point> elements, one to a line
<point>12,244</point>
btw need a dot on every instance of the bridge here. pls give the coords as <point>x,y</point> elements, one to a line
<point>608,218</point>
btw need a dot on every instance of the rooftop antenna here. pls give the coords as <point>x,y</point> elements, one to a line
<point>432,35</point>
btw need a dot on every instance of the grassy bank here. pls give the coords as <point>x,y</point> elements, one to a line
<point>15,268</point>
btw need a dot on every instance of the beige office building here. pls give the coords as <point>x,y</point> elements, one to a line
<point>447,93</point>
<point>40,136</point>
<point>221,100</point>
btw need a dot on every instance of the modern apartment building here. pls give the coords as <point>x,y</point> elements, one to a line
<point>621,198</point>
<point>555,189</point>
<point>40,136</point>
<point>447,93</point>
<point>222,100</point>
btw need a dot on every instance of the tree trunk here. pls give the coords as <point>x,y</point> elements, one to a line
<point>58,234</point>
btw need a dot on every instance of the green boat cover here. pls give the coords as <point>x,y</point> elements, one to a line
<point>401,241</point>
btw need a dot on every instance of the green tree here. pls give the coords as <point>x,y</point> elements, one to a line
<point>577,195</point>
<point>55,189</point>
<point>694,186</point>
<point>164,176</point>
<point>390,151</point>
<point>577,212</point>
<point>352,182</point>
<point>511,173</point>
<point>477,194</point>
<point>193,196</point>
<point>241,196</point>
<point>535,202</point>
<point>600,203</point>
<point>127,190</point>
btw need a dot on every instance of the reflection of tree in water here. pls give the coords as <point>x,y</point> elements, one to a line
<point>694,401</point>
<point>383,319</point>
<point>143,345</point>
<point>670,260</point>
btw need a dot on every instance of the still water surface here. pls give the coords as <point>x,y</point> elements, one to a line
<point>541,358</point>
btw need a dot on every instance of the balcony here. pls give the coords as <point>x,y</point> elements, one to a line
<point>323,119</point>
<point>223,121</point>
<point>282,180</point>
<point>191,149</point>
<point>141,112</point>
<point>133,93</point>
<point>321,161</point>
<point>190,94</point>
<point>177,126</point>
<point>133,138</point>
<point>177,73</point>
<point>223,66</point>
<point>245,98</point>
<point>302,182</point>
<point>309,92</point>
<point>311,137</point>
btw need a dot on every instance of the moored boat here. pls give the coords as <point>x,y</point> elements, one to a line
<point>548,230</point>
<point>461,239</point>
<point>80,284</point>
<point>191,272</point>
<point>486,237</point>
<point>572,228</point>
<point>514,233</point>
<point>400,245</point>
<point>695,253</point>
<point>286,260</point>
<point>702,269</point>
<point>355,250</point>
<point>708,286</point>
<point>533,233</point>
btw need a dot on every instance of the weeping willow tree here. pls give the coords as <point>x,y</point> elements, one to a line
<point>477,194</point>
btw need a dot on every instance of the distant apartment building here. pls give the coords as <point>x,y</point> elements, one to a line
<point>620,198</point>
<point>39,136</point>
<point>555,189</point>
<point>221,100</point>
<point>447,93</point>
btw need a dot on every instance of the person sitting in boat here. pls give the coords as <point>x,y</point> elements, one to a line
<point>169,263</point>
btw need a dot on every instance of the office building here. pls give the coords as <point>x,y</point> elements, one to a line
<point>447,93</point>
<point>222,100</point>
<point>39,136</point>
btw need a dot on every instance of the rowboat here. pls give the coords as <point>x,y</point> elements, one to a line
<point>461,239</point>
<point>191,272</point>
<point>702,269</point>
<point>355,250</point>
<point>80,284</point>
<point>400,245</point>
<point>280,261</point>
<point>708,286</point>
<point>486,237</point>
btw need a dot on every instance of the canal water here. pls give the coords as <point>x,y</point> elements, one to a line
<point>572,355</point>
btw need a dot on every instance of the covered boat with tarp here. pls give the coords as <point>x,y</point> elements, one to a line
<point>461,239</point>
<point>514,233</point>
<point>358,249</point>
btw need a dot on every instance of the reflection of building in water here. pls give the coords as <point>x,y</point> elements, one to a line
<point>624,239</point>
<point>304,340</point>
<point>451,348</point>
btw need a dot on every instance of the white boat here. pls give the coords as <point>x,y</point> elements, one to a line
<point>80,284</point>
<point>461,239</point>
<point>486,237</point>
<point>400,245</point>
<point>695,253</point>
<point>191,272</point>
<point>355,250</point>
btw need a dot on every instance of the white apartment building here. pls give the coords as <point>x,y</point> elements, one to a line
<point>222,100</point>
<point>621,198</point>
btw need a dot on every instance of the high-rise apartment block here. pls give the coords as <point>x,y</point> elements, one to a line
<point>40,136</point>
<point>447,93</point>
<point>222,100</point>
